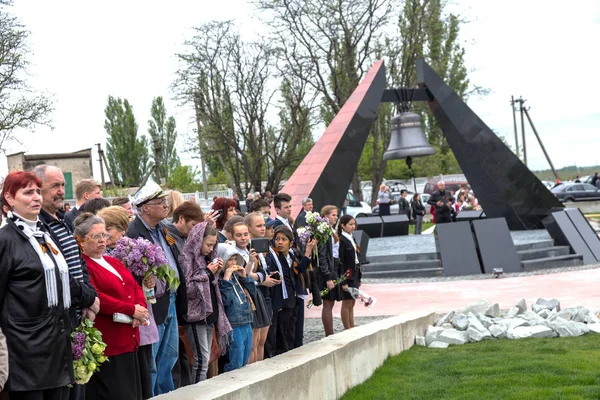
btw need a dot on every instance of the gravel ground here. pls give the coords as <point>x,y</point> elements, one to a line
<point>313,327</point>
<point>480,276</point>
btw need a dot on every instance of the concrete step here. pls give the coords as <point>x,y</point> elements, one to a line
<point>405,273</point>
<point>542,244</point>
<point>403,257</point>
<point>547,252</point>
<point>401,265</point>
<point>570,260</point>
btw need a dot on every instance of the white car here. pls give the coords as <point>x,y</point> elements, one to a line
<point>357,208</point>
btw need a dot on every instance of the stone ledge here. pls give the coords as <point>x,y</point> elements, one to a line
<point>323,370</point>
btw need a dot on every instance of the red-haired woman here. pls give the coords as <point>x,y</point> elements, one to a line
<point>36,292</point>
<point>227,209</point>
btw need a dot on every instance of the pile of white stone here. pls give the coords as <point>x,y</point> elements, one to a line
<point>483,320</point>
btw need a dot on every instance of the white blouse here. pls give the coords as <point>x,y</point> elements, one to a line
<point>336,248</point>
<point>107,266</point>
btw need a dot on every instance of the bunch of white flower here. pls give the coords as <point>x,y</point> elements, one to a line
<point>323,227</point>
<point>300,231</point>
<point>311,217</point>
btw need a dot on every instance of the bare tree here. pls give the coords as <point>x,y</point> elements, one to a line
<point>328,44</point>
<point>20,105</point>
<point>232,85</point>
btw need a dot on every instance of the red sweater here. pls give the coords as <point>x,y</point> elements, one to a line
<point>115,296</point>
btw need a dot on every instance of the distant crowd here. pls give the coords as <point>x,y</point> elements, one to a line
<point>234,304</point>
<point>444,204</point>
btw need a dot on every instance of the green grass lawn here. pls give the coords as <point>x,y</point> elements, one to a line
<point>561,368</point>
<point>426,225</point>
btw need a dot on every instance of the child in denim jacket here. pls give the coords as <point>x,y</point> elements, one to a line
<point>236,290</point>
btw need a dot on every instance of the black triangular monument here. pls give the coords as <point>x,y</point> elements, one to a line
<point>504,186</point>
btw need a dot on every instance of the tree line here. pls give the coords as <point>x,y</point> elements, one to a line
<point>259,105</point>
<point>314,57</point>
<point>132,157</point>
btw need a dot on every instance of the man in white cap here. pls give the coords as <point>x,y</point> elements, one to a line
<point>152,208</point>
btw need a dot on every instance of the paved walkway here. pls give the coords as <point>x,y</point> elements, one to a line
<point>573,288</point>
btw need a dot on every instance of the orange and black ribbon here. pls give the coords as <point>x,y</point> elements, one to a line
<point>49,245</point>
<point>170,239</point>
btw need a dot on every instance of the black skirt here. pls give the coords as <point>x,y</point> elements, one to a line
<point>118,379</point>
<point>146,360</point>
<point>336,293</point>
<point>262,313</point>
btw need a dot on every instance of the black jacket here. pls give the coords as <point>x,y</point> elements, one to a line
<point>326,264</point>
<point>445,197</point>
<point>289,279</point>
<point>403,207</point>
<point>300,220</point>
<point>70,217</point>
<point>161,307</point>
<point>38,337</point>
<point>348,262</point>
<point>417,208</point>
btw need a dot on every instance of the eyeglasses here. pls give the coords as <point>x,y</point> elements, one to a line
<point>99,236</point>
<point>160,203</point>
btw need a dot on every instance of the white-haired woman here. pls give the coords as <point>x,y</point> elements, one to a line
<point>385,199</point>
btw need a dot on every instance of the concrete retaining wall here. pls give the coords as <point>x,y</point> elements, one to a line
<point>322,370</point>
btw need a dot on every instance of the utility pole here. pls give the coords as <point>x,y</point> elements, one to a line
<point>100,151</point>
<point>202,164</point>
<point>521,101</point>
<point>157,158</point>
<point>514,113</point>
<point>103,157</point>
<point>540,140</point>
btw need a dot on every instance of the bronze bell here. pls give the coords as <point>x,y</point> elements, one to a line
<point>407,138</point>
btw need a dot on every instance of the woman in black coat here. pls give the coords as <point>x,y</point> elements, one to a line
<point>418,210</point>
<point>348,262</point>
<point>36,292</point>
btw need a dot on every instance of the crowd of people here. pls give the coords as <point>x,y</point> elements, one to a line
<point>234,304</point>
<point>445,205</point>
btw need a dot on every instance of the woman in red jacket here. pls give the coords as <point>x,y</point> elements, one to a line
<point>122,310</point>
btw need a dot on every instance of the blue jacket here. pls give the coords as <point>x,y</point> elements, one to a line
<point>238,313</point>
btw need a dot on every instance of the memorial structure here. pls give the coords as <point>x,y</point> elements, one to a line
<point>505,187</point>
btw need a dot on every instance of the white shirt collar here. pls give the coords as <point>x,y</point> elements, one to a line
<point>285,221</point>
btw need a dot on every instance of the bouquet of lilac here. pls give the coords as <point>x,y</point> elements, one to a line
<point>143,258</point>
<point>317,227</point>
<point>88,351</point>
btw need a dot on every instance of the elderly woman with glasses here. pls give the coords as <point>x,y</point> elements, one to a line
<point>123,309</point>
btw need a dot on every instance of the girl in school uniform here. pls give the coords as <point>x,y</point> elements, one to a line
<point>348,261</point>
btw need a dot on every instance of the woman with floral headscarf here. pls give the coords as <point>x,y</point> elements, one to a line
<point>201,268</point>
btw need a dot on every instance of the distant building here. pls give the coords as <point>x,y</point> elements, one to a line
<point>75,166</point>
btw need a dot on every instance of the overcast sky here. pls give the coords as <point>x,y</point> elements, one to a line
<point>82,52</point>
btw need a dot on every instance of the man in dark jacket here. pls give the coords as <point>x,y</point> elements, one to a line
<point>307,206</point>
<point>442,200</point>
<point>152,208</point>
<point>53,195</point>
<point>403,205</point>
